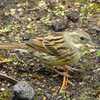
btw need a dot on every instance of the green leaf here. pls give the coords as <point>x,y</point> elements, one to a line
<point>98,53</point>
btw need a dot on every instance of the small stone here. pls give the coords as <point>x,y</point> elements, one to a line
<point>29,19</point>
<point>42,4</point>
<point>26,37</point>
<point>23,91</point>
<point>12,11</point>
<point>52,3</point>
<point>59,24</point>
<point>2,89</point>
<point>94,29</point>
<point>6,13</point>
<point>18,5</point>
<point>20,9</point>
<point>73,16</point>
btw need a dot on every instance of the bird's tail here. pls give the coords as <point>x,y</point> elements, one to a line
<point>13,45</point>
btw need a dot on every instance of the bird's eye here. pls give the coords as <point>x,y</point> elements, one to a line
<point>82,38</point>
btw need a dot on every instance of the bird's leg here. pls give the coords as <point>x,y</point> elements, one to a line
<point>65,79</point>
<point>64,83</point>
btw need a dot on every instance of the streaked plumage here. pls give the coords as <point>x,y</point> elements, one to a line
<point>62,48</point>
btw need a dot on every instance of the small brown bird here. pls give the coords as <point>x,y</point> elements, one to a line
<point>60,50</point>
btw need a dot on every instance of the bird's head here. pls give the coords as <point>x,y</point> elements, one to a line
<point>81,41</point>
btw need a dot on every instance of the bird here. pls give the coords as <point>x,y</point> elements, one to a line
<point>60,50</point>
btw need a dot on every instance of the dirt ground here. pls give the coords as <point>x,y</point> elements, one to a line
<point>20,20</point>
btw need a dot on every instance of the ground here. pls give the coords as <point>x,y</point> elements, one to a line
<point>22,19</point>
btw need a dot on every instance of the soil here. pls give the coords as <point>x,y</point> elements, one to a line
<point>20,20</point>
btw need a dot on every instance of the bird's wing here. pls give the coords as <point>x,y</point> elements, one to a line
<point>37,44</point>
<point>51,44</point>
<point>56,46</point>
<point>43,44</point>
<point>53,47</point>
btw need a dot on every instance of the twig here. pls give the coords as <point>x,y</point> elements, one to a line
<point>8,78</point>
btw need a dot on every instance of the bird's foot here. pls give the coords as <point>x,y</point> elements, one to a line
<point>65,83</point>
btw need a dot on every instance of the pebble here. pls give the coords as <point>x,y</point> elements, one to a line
<point>23,91</point>
<point>2,89</point>
<point>73,16</point>
<point>94,29</point>
<point>59,24</point>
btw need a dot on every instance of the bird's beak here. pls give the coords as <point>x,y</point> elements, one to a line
<point>92,47</point>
